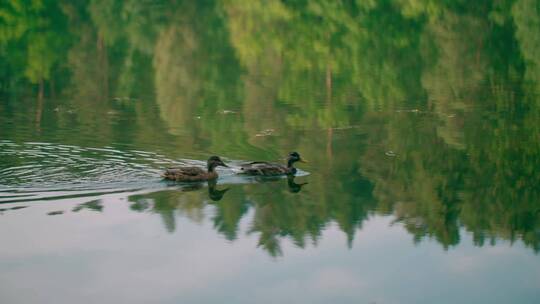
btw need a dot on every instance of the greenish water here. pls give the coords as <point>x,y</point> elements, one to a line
<point>420,121</point>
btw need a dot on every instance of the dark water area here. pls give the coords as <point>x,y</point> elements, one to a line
<point>420,121</point>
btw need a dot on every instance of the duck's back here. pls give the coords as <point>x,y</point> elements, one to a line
<point>264,168</point>
<point>187,174</point>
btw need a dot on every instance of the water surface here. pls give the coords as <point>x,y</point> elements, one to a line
<point>419,121</point>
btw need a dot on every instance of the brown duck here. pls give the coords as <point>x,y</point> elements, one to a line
<point>195,174</point>
<point>272,169</point>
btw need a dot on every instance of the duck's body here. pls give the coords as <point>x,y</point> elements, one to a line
<point>266,169</point>
<point>272,169</point>
<point>194,174</point>
<point>189,174</point>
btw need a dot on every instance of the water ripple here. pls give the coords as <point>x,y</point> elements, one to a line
<point>36,171</point>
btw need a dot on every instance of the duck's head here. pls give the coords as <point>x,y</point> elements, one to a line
<point>213,162</point>
<point>294,157</point>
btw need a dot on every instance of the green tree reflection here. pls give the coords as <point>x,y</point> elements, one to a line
<point>421,109</point>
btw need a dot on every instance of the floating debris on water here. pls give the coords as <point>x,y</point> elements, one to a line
<point>225,112</point>
<point>409,111</point>
<point>2,210</point>
<point>266,132</point>
<point>62,109</point>
<point>55,212</point>
<point>18,207</point>
<point>390,153</point>
<point>346,127</point>
<point>124,98</point>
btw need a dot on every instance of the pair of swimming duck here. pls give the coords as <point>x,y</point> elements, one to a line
<point>258,168</point>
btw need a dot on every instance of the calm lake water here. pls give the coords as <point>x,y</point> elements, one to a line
<point>420,121</point>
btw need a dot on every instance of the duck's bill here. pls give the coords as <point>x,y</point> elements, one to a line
<point>223,165</point>
<point>303,160</point>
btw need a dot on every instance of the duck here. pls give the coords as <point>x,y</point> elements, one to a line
<point>195,174</point>
<point>272,169</point>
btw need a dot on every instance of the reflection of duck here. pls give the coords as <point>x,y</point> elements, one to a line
<point>195,174</point>
<point>272,169</point>
<point>294,187</point>
<point>213,193</point>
